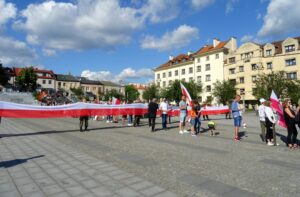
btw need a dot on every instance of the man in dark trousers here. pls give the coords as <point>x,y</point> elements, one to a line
<point>84,119</point>
<point>152,109</point>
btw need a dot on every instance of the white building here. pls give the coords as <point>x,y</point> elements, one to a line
<point>205,66</point>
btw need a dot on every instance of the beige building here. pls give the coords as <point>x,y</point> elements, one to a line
<point>205,66</point>
<point>108,85</point>
<point>66,82</point>
<point>250,60</point>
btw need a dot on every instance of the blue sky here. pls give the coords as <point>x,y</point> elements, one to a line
<point>122,40</point>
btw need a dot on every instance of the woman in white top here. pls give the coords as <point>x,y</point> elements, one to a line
<point>270,121</point>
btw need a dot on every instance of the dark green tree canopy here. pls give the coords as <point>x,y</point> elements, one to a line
<point>173,91</point>
<point>151,92</point>
<point>113,93</point>
<point>131,93</point>
<point>3,76</point>
<point>224,91</point>
<point>27,79</point>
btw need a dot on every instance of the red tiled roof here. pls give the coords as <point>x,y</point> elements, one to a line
<point>210,48</point>
<point>178,59</point>
<point>36,70</point>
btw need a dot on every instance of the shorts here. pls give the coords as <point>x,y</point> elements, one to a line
<point>182,118</point>
<point>237,121</point>
<point>193,121</point>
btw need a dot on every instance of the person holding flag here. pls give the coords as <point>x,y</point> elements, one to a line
<point>183,114</point>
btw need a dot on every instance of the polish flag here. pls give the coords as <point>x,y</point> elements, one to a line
<point>278,108</point>
<point>186,93</point>
<point>116,101</point>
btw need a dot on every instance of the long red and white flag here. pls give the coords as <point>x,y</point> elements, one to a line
<point>186,93</point>
<point>13,110</point>
<point>278,108</point>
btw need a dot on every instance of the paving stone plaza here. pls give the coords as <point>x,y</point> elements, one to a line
<point>50,157</point>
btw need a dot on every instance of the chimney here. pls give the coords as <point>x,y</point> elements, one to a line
<point>171,57</point>
<point>216,42</point>
<point>189,53</point>
<point>233,43</point>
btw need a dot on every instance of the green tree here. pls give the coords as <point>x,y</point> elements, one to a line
<point>113,93</point>
<point>293,90</point>
<point>78,92</point>
<point>151,92</point>
<point>131,93</point>
<point>27,79</point>
<point>3,76</point>
<point>276,81</point>
<point>224,91</point>
<point>173,91</point>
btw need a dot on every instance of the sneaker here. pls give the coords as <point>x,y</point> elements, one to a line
<point>107,121</point>
<point>270,144</point>
<point>237,139</point>
<point>193,135</point>
<point>185,131</point>
<point>180,132</point>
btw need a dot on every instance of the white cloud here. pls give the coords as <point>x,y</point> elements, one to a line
<point>125,75</point>
<point>49,52</point>
<point>84,25</point>
<point>178,38</point>
<point>230,5</point>
<point>247,38</point>
<point>200,4</point>
<point>282,17</point>
<point>88,24</point>
<point>158,11</point>
<point>7,10</point>
<point>15,52</point>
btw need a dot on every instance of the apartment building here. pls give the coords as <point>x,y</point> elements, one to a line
<point>66,82</point>
<point>244,65</point>
<point>108,85</point>
<point>91,86</point>
<point>204,66</point>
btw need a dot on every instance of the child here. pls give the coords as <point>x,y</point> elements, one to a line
<point>193,115</point>
<point>211,127</point>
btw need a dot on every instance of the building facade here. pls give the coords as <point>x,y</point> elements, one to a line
<point>205,67</point>
<point>66,82</point>
<point>250,60</point>
<point>108,85</point>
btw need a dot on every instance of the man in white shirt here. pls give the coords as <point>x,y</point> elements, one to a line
<point>262,119</point>
<point>164,113</point>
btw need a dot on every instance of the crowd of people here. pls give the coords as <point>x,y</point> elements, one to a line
<point>190,119</point>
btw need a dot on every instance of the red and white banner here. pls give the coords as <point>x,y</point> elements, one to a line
<point>13,110</point>
<point>278,108</point>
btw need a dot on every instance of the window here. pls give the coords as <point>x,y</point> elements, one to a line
<point>208,88</point>
<point>170,82</point>
<point>247,55</point>
<point>241,69</point>
<point>191,70</point>
<point>289,48</point>
<point>158,76</point>
<point>44,81</point>
<point>254,91</point>
<point>198,59</point>
<point>207,67</point>
<point>158,84</point>
<point>217,56</point>
<point>207,58</point>
<point>232,60</point>
<point>164,75</point>
<point>170,74</point>
<point>242,91</point>
<point>242,80</point>
<point>176,72</point>
<point>290,62</point>
<point>254,78</point>
<point>87,88</point>
<point>199,79</point>
<point>198,68</point>
<point>183,71</point>
<point>231,71</point>
<point>269,52</point>
<point>253,66</point>
<point>207,77</point>
<point>64,84</point>
<point>44,74</point>
<point>269,65</point>
<point>190,79</point>
<point>292,75</point>
<point>232,81</point>
<point>59,84</point>
<point>50,82</point>
<point>94,88</point>
<point>164,84</point>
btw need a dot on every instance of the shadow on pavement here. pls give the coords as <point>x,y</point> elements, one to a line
<point>15,162</point>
